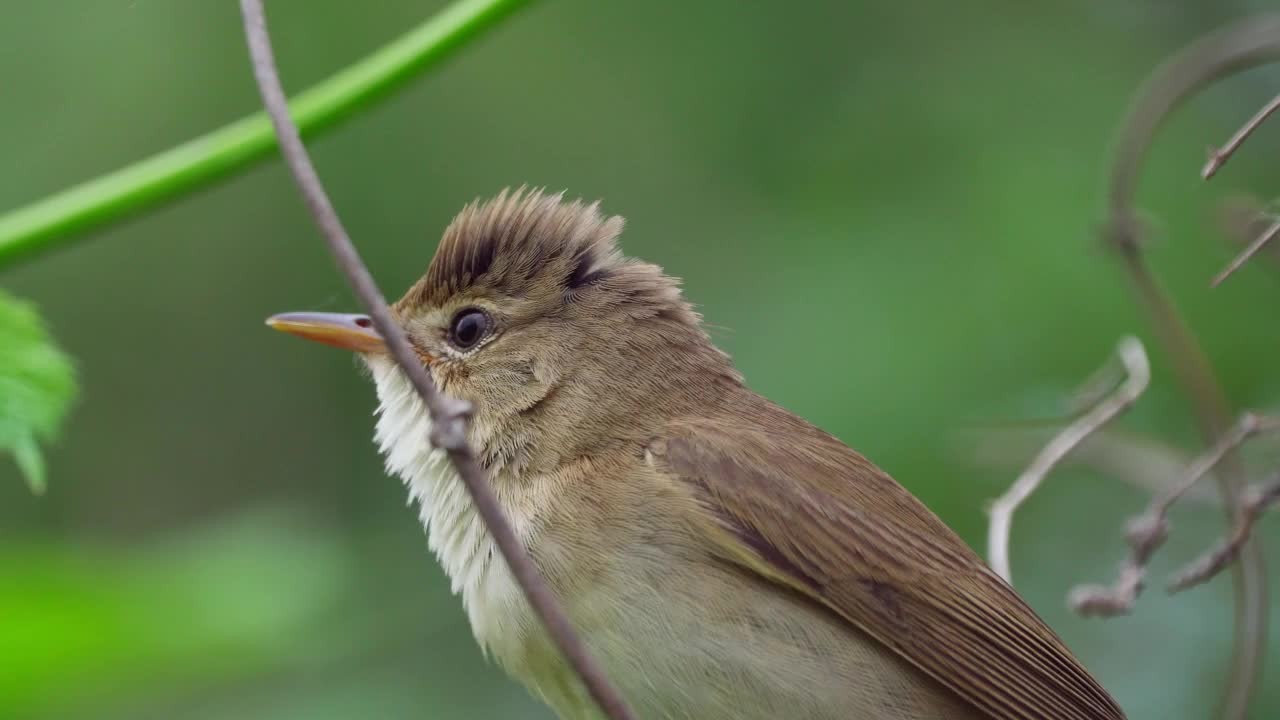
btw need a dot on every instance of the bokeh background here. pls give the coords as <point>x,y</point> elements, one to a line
<point>887,209</point>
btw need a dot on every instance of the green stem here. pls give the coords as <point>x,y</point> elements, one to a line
<point>196,163</point>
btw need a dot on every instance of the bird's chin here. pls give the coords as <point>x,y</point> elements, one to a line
<point>382,368</point>
<point>368,360</point>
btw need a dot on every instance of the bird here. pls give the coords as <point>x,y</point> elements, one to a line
<point>720,557</point>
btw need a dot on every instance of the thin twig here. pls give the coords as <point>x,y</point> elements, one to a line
<point>1145,533</point>
<point>1145,462</point>
<point>1219,156</point>
<point>1242,219</point>
<point>1254,248</point>
<point>1138,375</point>
<point>448,416</point>
<point>1253,503</point>
<point>1247,43</point>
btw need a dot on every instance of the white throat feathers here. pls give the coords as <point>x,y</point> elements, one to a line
<point>455,532</point>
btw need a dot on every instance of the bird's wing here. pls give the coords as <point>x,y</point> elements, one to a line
<point>786,500</point>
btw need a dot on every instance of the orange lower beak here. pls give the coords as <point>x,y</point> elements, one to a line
<point>349,332</point>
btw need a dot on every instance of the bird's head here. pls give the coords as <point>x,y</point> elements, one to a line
<point>530,312</point>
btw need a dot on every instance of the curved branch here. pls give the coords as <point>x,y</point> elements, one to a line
<point>448,416</point>
<point>1249,43</point>
<point>164,177</point>
<point>1133,357</point>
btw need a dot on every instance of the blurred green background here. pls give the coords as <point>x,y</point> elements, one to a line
<point>885,209</point>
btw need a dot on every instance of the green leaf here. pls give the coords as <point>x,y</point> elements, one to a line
<point>37,385</point>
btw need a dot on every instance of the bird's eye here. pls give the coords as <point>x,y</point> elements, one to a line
<point>468,328</point>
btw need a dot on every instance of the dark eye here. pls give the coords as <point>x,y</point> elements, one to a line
<point>468,328</point>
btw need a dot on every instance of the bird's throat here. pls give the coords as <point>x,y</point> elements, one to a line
<point>455,532</point>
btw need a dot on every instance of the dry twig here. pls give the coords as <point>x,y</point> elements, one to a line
<point>1136,459</point>
<point>1137,376</point>
<point>1247,254</point>
<point>1242,219</point>
<point>449,416</point>
<point>1253,502</point>
<point>1145,533</point>
<point>1248,43</point>
<point>1219,156</point>
<point>1216,160</point>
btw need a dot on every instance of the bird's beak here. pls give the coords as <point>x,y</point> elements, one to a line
<point>350,332</point>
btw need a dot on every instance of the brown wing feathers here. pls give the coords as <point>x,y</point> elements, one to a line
<point>841,530</point>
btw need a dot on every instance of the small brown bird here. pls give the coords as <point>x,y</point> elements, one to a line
<point>722,558</point>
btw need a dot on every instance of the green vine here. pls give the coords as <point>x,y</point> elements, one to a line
<point>66,215</point>
<point>37,380</point>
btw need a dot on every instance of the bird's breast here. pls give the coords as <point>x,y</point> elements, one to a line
<point>682,636</point>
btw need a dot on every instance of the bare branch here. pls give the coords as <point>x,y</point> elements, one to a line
<point>1254,247</point>
<point>1243,218</point>
<point>1255,500</point>
<point>1244,44</point>
<point>1148,531</point>
<point>1138,375</point>
<point>1219,156</point>
<point>1248,426</point>
<point>1109,600</point>
<point>1144,462</point>
<point>448,415</point>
